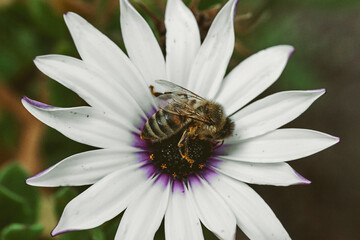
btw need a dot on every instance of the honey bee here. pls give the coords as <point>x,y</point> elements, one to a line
<point>188,113</point>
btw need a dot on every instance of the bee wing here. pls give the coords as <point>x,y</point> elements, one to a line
<point>178,90</point>
<point>179,97</point>
<point>181,107</point>
<point>163,100</point>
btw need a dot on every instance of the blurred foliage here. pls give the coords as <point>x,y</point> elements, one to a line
<point>20,205</point>
<point>35,27</point>
<point>18,231</point>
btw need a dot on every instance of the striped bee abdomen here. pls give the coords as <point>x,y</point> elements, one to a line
<point>162,125</point>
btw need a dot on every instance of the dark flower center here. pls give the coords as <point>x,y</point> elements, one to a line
<point>167,159</point>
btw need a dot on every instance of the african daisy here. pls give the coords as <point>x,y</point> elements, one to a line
<point>128,173</point>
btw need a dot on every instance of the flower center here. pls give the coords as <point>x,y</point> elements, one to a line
<point>166,156</point>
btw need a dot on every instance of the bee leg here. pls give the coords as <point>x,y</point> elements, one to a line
<point>183,144</point>
<point>156,94</point>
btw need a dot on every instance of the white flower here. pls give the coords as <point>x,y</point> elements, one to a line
<point>123,176</point>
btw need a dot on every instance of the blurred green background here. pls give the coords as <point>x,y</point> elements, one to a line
<point>326,35</point>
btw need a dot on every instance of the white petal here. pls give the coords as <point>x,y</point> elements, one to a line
<point>83,124</point>
<point>278,174</point>
<point>182,41</point>
<point>212,210</point>
<point>252,76</point>
<point>144,214</point>
<point>280,145</point>
<point>93,87</point>
<point>181,222</point>
<point>271,113</point>
<point>214,54</point>
<point>100,52</point>
<point>253,215</point>
<point>141,44</point>
<point>85,168</point>
<point>102,201</point>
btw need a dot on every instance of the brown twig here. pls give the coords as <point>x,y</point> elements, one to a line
<point>108,12</point>
<point>10,101</point>
<point>194,5</point>
<point>28,149</point>
<point>86,9</point>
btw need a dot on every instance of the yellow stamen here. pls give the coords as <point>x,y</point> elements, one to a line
<point>201,166</point>
<point>189,160</point>
<point>152,157</point>
<point>163,166</point>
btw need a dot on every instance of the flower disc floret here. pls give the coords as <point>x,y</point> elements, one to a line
<point>165,156</point>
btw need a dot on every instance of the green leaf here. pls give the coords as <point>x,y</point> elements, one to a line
<point>63,197</point>
<point>92,234</point>
<point>19,41</point>
<point>12,183</point>
<point>18,231</point>
<point>328,4</point>
<point>13,177</point>
<point>15,209</point>
<point>97,234</point>
<point>110,227</point>
<point>297,75</point>
<point>77,235</point>
<point>46,19</point>
<point>206,4</point>
<point>8,130</point>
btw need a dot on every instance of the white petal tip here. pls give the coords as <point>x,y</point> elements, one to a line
<point>38,60</point>
<point>28,181</point>
<point>291,51</point>
<point>318,92</point>
<point>27,102</point>
<point>303,181</point>
<point>53,233</point>
<point>61,229</point>
<point>286,49</point>
<point>333,140</point>
<point>71,16</point>
<point>32,181</point>
<point>67,15</point>
<point>56,233</point>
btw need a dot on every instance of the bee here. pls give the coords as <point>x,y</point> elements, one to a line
<point>186,112</point>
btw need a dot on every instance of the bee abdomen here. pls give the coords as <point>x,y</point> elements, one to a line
<point>164,122</point>
<point>157,127</point>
